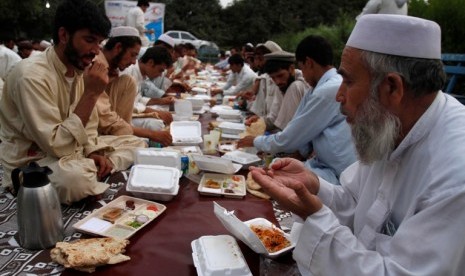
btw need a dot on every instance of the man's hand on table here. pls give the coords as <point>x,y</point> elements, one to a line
<point>103,164</point>
<point>292,185</point>
<point>215,91</point>
<point>245,142</point>
<point>165,116</point>
<point>162,136</point>
<point>250,120</point>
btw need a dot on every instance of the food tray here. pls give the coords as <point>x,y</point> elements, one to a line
<point>222,185</point>
<point>94,223</point>
<point>227,146</point>
<point>242,231</point>
<point>217,256</point>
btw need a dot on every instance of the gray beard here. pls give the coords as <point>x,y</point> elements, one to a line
<point>375,131</point>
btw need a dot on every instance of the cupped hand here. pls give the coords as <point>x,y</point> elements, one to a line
<point>292,194</point>
<point>285,169</point>
<point>103,164</point>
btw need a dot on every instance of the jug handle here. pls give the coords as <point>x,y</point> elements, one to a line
<point>15,179</point>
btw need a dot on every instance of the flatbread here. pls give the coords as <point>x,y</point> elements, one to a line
<point>86,254</point>
<point>254,188</point>
<point>255,129</point>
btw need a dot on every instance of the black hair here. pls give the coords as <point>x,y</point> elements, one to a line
<point>159,42</point>
<point>159,55</point>
<point>143,3</point>
<point>189,46</point>
<point>273,66</point>
<point>316,48</point>
<point>236,59</point>
<point>261,50</point>
<point>75,15</point>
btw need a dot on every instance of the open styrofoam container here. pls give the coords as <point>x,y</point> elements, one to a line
<point>215,164</point>
<point>241,157</point>
<point>241,230</point>
<point>230,114</point>
<point>153,182</point>
<point>220,108</point>
<point>217,256</point>
<point>199,90</point>
<point>160,157</point>
<point>186,133</point>
<point>231,128</point>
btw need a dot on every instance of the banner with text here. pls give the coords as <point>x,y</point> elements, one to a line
<point>116,11</point>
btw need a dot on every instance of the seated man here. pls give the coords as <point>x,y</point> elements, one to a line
<point>8,60</point>
<point>48,113</point>
<point>240,79</point>
<point>318,123</point>
<point>400,209</point>
<point>116,104</point>
<point>152,64</point>
<point>280,67</point>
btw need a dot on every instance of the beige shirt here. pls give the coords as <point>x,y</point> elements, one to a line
<point>291,100</point>
<point>268,100</point>
<point>115,105</point>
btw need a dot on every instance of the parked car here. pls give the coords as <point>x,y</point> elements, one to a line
<point>184,37</point>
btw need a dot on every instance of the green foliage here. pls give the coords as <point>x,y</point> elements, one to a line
<point>450,15</point>
<point>337,34</point>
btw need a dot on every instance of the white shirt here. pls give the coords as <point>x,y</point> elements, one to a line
<point>135,18</point>
<point>8,59</point>
<point>404,215</point>
<point>241,81</point>
<point>140,102</point>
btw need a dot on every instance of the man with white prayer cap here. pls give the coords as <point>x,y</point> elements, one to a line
<point>115,105</point>
<point>400,208</point>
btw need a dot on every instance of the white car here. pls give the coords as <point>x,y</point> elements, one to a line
<point>184,37</point>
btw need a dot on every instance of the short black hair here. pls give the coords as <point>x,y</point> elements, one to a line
<point>273,66</point>
<point>189,46</point>
<point>236,59</point>
<point>126,42</point>
<point>159,55</point>
<point>143,3</point>
<point>316,48</point>
<point>76,15</point>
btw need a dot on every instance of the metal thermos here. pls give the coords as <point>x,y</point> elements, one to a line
<point>40,223</point>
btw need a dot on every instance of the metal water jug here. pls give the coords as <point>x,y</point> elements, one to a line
<point>40,223</point>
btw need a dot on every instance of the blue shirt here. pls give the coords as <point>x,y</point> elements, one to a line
<point>318,122</point>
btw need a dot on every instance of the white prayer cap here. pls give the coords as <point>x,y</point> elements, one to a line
<point>227,53</point>
<point>398,35</point>
<point>124,31</point>
<point>249,44</point>
<point>167,39</point>
<point>45,44</point>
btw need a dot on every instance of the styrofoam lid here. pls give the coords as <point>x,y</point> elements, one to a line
<point>215,164</point>
<point>229,112</point>
<point>218,256</point>
<point>232,126</point>
<point>152,178</point>
<point>185,129</point>
<point>161,157</point>
<point>199,90</point>
<point>241,157</point>
<point>219,108</point>
<point>183,107</point>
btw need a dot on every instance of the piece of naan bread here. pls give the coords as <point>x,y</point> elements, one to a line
<point>86,254</point>
<point>255,129</point>
<point>254,188</point>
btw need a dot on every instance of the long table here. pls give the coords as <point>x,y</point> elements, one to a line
<point>164,246</point>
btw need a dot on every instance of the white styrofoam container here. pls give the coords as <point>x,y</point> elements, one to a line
<point>231,128</point>
<point>241,157</point>
<point>215,164</point>
<point>217,256</point>
<point>220,108</point>
<point>153,182</point>
<point>241,230</point>
<point>160,157</point>
<point>230,114</point>
<point>197,103</point>
<point>199,90</point>
<point>186,133</point>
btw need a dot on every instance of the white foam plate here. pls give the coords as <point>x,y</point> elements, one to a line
<point>231,128</point>
<point>186,132</point>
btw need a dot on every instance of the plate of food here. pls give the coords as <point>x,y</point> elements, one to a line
<point>222,185</point>
<point>227,146</point>
<point>121,218</point>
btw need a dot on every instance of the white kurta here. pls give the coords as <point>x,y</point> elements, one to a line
<point>268,100</point>
<point>238,82</point>
<point>38,124</point>
<point>8,59</point>
<point>135,18</point>
<point>404,215</point>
